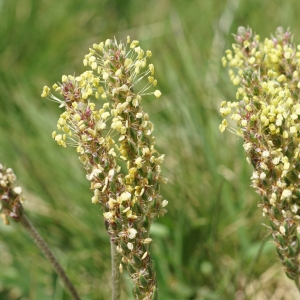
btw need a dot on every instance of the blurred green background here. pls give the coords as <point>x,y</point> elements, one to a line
<point>211,244</point>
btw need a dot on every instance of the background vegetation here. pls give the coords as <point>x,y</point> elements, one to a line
<point>210,244</point>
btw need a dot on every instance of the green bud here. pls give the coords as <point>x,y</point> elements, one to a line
<point>147,223</point>
<point>131,117</point>
<point>155,294</point>
<point>149,270</point>
<point>287,180</point>
<point>132,148</point>
<point>297,194</point>
<point>294,176</point>
<point>101,176</point>
<point>123,245</point>
<point>119,223</point>
<point>289,152</point>
<point>106,166</point>
<point>297,244</point>
<point>156,186</point>
<point>5,205</point>
<point>277,142</point>
<point>154,203</point>
<point>291,250</point>
<point>137,261</point>
<point>280,240</point>
<point>291,275</point>
<point>137,292</point>
<point>144,247</point>
<point>139,152</point>
<point>285,202</point>
<point>256,90</point>
<point>279,254</point>
<point>142,137</point>
<point>106,225</point>
<point>145,196</point>
<point>112,186</point>
<point>130,269</point>
<point>143,281</point>
<point>276,212</point>
<point>150,177</point>
<point>290,265</point>
<point>291,230</point>
<point>132,134</point>
<point>273,174</point>
<point>96,158</point>
<point>111,79</point>
<point>142,172</point>
<point>137,224</point>
<point>287,230</point>
<point>274,227</point>
<point>138,209</point>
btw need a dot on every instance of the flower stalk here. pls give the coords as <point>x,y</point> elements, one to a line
<point>267,114</point>
<point>11,199</point>
<point>103,118</point>
<point>115,263</point>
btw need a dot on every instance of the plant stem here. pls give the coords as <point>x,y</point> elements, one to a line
<point>49,255</point>
<point>115,260</point>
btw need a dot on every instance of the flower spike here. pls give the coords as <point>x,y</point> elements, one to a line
<point>103,118</point>
<point>267,114</point>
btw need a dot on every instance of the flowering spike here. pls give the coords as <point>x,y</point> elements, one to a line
<point>267,114</point>
<point>10,196</point>
<point>103,118</point>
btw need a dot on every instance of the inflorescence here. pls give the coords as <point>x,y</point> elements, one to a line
<point>104,120</point>
<point>10,196</point>
<point>267,114</point>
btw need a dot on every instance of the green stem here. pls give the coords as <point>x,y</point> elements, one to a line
<point>115,261</point>
<point>49,255</point>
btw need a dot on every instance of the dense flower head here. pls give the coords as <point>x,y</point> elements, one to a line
<point>267,115</point>
<point>103,118</point>
<point>275,58</point>
<point>10,196</point>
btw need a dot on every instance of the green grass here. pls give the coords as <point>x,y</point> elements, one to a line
<point>210,244</point>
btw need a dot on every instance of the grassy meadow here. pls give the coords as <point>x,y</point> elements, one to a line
<point>211,244</point>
